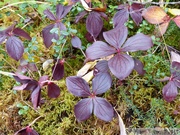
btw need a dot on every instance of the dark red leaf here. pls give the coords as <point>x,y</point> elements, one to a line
<point>58,70</point>
<point>99,49</point>
<point>138,66</point>
<point>21,33</point>
<point>61,11</point>
<point>83,109</point>
<point>53,90</point>
<point>177,20</point>
<point>49,14</point>
<point>137,42</point>
<point>14,47</point>
<point>135,13</point>
<point>103,109</point>
<point>26,131</point>
<point>36,97</point>
<point>121,65</point>
<point>121,17</point>
<point>80,16</point>
<point>101,83</point>
<point>78,86</point>
<point>170,91</point>
<point>76,42</point>
<point>94,24</point>
<point>116,36</point>
<point>89,37</point>
<point>48,36</point>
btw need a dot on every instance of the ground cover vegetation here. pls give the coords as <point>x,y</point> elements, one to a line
<point>89,67</point>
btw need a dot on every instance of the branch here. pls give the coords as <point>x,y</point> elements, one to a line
<point>155,3</point>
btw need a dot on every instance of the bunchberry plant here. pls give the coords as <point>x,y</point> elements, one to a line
<point>121,64</point>
<point>14,45</point>
<point>170,90</point>
<point>61,12</point>
<point>124,10</point>
<point>156,15</point>
<point>25,66</point>
<point>26,131</point>
<point>35,87</point>
<point>93,27</point>
<point>93,104</point>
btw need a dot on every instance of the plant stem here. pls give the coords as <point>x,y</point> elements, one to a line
<point>39,2</point>
<point>35,120</point>
<point>60,54</point>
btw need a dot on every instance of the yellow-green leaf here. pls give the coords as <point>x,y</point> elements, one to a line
<point>174,11</point>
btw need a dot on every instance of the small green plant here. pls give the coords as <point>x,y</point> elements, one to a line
<point>23,109</point>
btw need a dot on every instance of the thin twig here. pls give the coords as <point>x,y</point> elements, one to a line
<point>39,2</point>
<point>155,3</point>
<point>35,120</point>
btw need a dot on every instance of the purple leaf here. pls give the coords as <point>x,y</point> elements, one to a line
<point>94,27</point>
<point>53,90</point>
<point>175,57</point>
<point>76,42</point>
<point>21,87</point>
<point>99,49</point>
<point>60,25</point>
<point>43,80</point>
<point>135,13</point>
<point>163,79</point>
<point>103,15</point>
<point>26,131</point>
<point>103,109</point>
<point>83,109</point>
<point>170,91</point>
<point>58,70</point>
<point>21,78</point>
<point>14,47</point>
<point>61,11</point>
<point>138,66</point>
<point>137,42</point>
<point>177,20</point>
<point>121,17</point>
<point>31,85</point>
<point>80,16</point>
<point>101,67</point>
<point>78,86</point>
<point>21,33</point>
<point>121,65</point>
<point>47,36</point>
<point>101,83</point>
<point>116,36</point>
<point>32,67</point>
<point>2,36</point>
<point>36,97</point>
<point>49,14</point>
<point>175,70</point>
